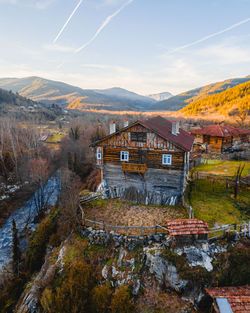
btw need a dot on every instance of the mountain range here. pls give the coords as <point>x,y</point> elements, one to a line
<point>161,96</point>
<point>209,99</point>
<point>67,96</point>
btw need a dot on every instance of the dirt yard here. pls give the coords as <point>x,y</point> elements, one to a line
<point>121,213</point>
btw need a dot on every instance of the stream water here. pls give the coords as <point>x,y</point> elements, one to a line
<point>24,218</point>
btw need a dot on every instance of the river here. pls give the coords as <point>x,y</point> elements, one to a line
<point>24,217</point>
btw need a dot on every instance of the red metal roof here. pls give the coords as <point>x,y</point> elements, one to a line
<point>238,297</point>
<point>219,130</point>
<point>187,227</point>
<point>163,128</point>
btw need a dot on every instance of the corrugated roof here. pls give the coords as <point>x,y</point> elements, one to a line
<point>219,130</point>
<point>187,227</point>
<point>163,128</point>
<point>238,297</point>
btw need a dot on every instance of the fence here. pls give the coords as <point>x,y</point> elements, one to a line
<point>214,233</point>
<point>238,229</point>
<point>126,230</point>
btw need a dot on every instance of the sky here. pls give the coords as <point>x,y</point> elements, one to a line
<point>146,46</point>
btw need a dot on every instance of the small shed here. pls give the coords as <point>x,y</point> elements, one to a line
<point>230,299</point>
<point>186,230</point>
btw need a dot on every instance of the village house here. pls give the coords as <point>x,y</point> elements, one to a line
<point>230,299</point>
<point>220,138</point>
<point>147,161</point>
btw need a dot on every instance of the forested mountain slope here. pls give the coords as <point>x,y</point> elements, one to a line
<point>178,102</point>
<point>225,103</point>
<point>14,105</point>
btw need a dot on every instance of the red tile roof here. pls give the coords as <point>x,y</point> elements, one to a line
<point>220,131</point>
<point>238,297</point>
<point>187,227</point>
<point>163,128</point>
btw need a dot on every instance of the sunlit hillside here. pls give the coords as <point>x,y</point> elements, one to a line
<point>226,103</point>
<point>179,101</point>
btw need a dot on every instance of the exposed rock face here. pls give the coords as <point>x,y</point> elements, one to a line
<point>164,272</point>
<point>29,301</point>
<point>201,254</point>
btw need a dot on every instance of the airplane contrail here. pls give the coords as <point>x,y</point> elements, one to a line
<point>67,22</point>
<point>209,36</point>
<point>104,24</point>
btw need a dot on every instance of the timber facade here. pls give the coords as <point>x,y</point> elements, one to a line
<point>147,161</point>
<point>220,139</point>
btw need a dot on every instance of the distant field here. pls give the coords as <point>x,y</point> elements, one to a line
<point>220,167</point>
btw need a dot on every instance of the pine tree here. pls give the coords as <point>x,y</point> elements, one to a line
<point>16,252</point>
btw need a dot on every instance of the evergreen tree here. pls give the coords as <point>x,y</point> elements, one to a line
<point>16,252</point>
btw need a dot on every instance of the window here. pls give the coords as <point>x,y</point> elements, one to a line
<point>99,156</point>
<point>167,159</point>
<point>124,156</point>
<point>139,136</point>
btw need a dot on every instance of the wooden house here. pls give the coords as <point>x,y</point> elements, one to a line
<point>187,230</point>
<point>220,138</point>
<point>147,161</point>
<point>230,299</point>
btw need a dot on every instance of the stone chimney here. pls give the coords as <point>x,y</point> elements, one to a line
<point>112,127</point>
<point>175,128</point>
<point>125,122</point>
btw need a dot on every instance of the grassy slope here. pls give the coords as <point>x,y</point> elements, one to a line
<point>219,167</point>
<point>210,200</point>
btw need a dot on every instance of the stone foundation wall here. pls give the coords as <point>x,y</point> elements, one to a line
<point>101,237</point>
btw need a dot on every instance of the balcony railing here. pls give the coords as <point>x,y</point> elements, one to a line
<point>134,168</point>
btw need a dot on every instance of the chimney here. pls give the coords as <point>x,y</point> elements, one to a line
<point>112,127</point>
<point>125,122</point>
<point>175,128</point>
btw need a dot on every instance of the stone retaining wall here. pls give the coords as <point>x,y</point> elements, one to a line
<point>101,237</point>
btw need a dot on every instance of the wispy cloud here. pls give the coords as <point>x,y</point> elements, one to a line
<point>209,36</point>
<point>38,4</point>
<point>59,48</point>
<point>68,20</point>
<point>104,24</point>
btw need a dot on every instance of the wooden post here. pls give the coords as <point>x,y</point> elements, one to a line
<point>142,230</point>
<point>103,225</point>
<point>127,229</point>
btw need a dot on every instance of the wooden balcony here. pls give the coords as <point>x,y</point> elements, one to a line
<point>134,168</point>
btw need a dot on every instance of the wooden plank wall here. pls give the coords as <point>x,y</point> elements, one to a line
<point>152,158</point>
<point>153,140</point>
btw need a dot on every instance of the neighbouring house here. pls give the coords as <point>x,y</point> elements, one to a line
<point>230,299</point>
<point>147,161</point>
<point>187,230</point>
<point>220,138</point>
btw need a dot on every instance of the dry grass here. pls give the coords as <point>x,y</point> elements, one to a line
<point>121,213</point>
